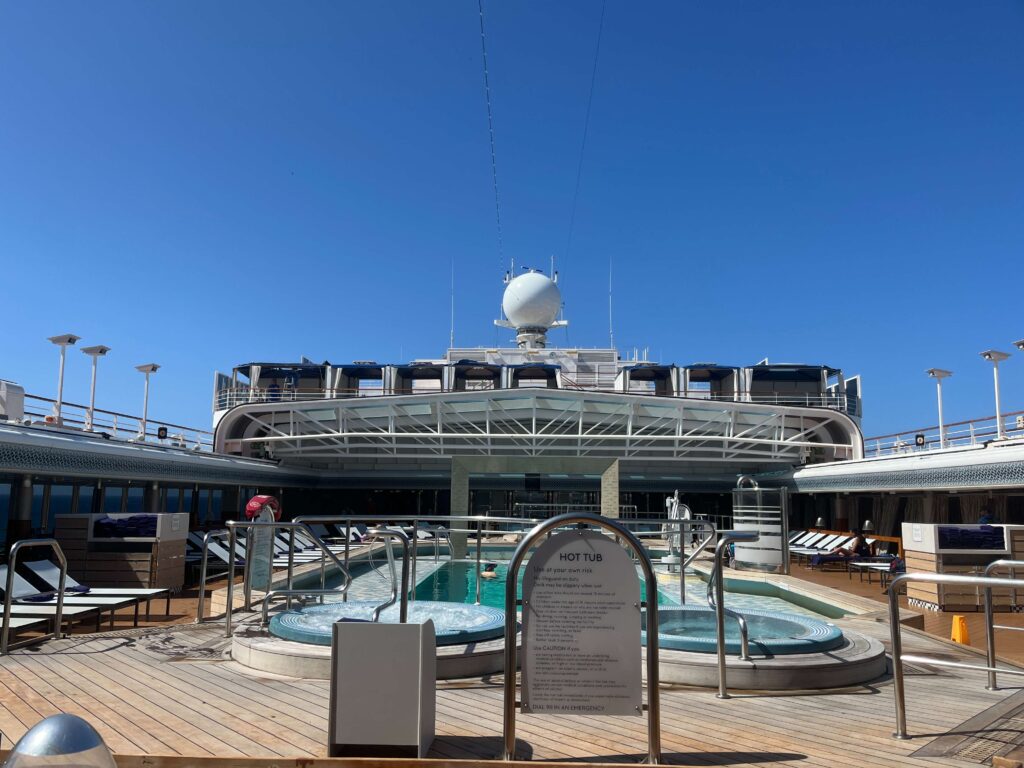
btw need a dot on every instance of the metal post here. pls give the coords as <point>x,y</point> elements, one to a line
<point>415,549</point>
<point>682,570</point>
<point>92,395</point>
<point>348,540</point>
<point>942,423</point>
<point>291,566</point>
<point>202,582</point>
<point>145,407</point>
<point>231,580</point>
<point>990,641</point>
<point>60,386</point>
<point>478,577</point>
<point>1000,430</point>
<point>247,569</point>
<point>897,662</point>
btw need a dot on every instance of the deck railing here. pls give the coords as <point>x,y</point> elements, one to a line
<point>988,583</point>
<point>122,426</point>
<point>229,397</point>
<point>958,434</point>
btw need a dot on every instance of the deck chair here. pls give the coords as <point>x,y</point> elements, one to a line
<point>808,540</point>
<point>49,574</point>
<point>48,613</point>
<point>25,593</point>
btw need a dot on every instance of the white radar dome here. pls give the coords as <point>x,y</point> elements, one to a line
<point>532,300</point>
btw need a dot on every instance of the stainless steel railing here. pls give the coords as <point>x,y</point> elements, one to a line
<point>990,627</point>
<point>716,600</point>
<point>203,572</point>
<point>988,583</point>
<point>291,528</point>
<point>388,534</point>
<point>12,563</point>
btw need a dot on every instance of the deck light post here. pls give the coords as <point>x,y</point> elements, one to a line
<point>147,369</point>
<point>95,353</point>
<point>63,341</point>
<point>939,374</point>
<point>995,357</point>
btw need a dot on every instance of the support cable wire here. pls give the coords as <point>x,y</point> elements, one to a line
<point>490,128</point>
<point>586,128</point>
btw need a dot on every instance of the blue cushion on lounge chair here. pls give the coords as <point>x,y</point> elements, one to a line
<point>42,597</point>
<point>78,589</point>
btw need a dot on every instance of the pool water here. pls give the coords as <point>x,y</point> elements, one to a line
<point>692,628</point>
<point>454,623</point>
<point>456,581</point>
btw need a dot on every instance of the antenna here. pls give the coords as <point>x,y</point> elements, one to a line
<point>451,335</point>
<point>611,334</point>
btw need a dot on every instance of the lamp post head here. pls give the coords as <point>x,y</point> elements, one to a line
<point>64,340</point>
<point>97,351</point>
<point>938,373</point>
<point>994,355</point>
<point>1019,345</point>
<point>147,368</point>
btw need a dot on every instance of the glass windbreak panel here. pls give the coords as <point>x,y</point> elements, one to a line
<point>60,501</point>
<point>85,496</point>
<point>112,500</point>
<point>204,501</point>
<point>135,496</point>
<point>5,509</point>
<point>38,495</point>
<point>186,505</point>
<point>218,503</point>
<point>172,500</point>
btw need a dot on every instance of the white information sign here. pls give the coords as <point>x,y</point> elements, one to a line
<point>261,552</point>
<point>581,628</point>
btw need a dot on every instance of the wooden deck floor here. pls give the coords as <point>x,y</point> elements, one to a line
<point>172,690</point>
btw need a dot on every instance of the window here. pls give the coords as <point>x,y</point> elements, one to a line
<point>112,500</point>
<point>5,509</point>
<point>135,498</point>
<point>85,495</point>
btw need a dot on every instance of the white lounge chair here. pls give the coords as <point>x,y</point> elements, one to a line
<point>25,592</point>
<point>49,574</point>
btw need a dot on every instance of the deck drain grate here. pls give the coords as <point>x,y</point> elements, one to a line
<point>1002,736</point>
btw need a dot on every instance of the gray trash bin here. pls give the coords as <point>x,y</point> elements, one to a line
<point>383,690</point>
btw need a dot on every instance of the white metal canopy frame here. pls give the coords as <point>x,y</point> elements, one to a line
<point>540,423</point>
<point>511,611</point>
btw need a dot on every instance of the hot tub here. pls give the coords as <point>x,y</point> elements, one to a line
<point>692,628</point>
<point>454,623</point>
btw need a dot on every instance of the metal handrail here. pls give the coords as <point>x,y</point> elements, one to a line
<point>895,628</point>
<point>203,577</point>
<point>990,635</point>
<point>475,525</point>
<point>717,601</point>
<point>511,605</point>
<point>707,525</point>
<point>388,534</point>
<point>291,527</point>
<point>12,563</point>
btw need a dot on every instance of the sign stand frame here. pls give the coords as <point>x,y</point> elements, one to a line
<point>511,611</point>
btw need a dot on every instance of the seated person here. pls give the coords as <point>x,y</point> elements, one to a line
<point>858,547</point>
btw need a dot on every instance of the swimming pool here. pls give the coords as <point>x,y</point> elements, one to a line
<point>456,581</point>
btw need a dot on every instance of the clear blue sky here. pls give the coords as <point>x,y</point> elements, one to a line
<point>203,184</point>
